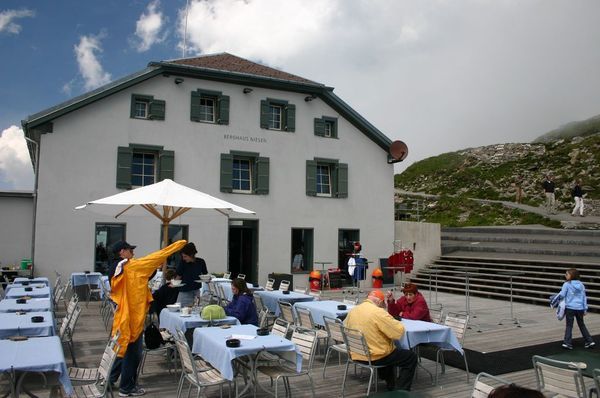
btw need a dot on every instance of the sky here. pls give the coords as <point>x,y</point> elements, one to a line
<point>440,75</point>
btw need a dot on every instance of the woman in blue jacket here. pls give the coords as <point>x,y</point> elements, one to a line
<point>242,306</point>
<point>573,291</point>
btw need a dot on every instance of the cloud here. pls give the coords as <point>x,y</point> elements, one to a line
<point>440,75</point>
<point>89,66</point>
<point>16,171</point>
<point>148,28</point>
<point>7,17</point>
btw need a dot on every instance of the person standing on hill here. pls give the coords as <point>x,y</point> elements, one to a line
<point>549,188</point>
<point>573,291</point>
<point>577,193</point>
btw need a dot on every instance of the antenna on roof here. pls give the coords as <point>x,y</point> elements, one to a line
<point>187,2</point>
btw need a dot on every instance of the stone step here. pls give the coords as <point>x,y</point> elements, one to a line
<point>449,246</point>
<point>522,230</point>
<point>522,238</point>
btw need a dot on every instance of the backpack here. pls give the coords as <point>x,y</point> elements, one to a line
<point>212,312</point>
<point>152,337</point>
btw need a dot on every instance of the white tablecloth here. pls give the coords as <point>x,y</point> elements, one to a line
<point>173,321</point>
<point>16,292</point>
<point>271,298</point>
<point>39,279</point>
<point>418,332</point>
<point>318,309</point>
<point>12,324</point>
<point>34,304</point>
<point>40,354</point>
<point>209,343</point>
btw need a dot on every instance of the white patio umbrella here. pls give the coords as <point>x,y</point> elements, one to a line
<point>166,200</point>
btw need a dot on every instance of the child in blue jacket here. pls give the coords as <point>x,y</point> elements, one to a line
<point>576,307</point>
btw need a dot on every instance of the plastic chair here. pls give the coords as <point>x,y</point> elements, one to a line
<point>101,385</point>
<point>284,286</point>
<point>227,275</point>
<point>436,312</point>
<point>485,383</point>
<point>458,323</point>
<point>334,326</point>
<point>356,344</point>
<point>558,377</point>
<point>305,320</point>
<point>280,327</point>
<point>196,371</point>
<point>269,284</point>
<point>596,388</point>
<point>67,329</point>
<point>242,276</point>
<point>77,374</point>
<point>302,290</point>
<point>306,342</point>
<point>287,312</point>
<point>262,309</point>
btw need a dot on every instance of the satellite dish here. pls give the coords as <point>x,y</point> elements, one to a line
<point>398,152</point>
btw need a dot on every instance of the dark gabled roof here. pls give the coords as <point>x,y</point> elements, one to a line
<point>222,67</point>
<point>231,63</point>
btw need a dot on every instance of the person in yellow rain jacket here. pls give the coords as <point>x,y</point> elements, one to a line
<point>129,290</point>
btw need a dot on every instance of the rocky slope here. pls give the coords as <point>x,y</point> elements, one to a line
<point>497,171</point>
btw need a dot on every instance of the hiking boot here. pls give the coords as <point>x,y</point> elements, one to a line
<point>567,346</point>
<point>590,345</point>
<point>133,393</point>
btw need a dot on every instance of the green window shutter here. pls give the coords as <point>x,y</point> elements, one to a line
<point>311,178</point>
<point>262,176</point>
<point>166,165</point>
<point>157,110</point>
<point>264,114</point>
<point>223,116</point>
<point>132,110</point>
<point>124,167</point>
<point>290,115</point>
<point>342,180</point>
<point>226,172</point>
<point>320,127</point>
<point>195,107</point>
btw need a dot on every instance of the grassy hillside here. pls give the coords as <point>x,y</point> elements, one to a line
<point>581,128</point>
<point>494,172</point>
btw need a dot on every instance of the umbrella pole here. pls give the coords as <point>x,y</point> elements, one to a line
<point>165,243</point>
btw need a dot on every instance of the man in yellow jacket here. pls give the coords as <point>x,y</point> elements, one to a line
<point>129,290</point>
<point>381,331</point>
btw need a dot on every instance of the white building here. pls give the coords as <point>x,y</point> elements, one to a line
<point>315,172</point>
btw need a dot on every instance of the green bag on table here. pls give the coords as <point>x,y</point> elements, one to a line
<point>213,312</point>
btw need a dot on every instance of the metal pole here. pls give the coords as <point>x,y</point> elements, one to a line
<point>36,170</point>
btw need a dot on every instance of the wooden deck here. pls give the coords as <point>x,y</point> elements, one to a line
<point>539,325</point>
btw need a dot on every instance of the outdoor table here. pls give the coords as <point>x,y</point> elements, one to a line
<point>16,292</point>
<point>40,354</point>
<point>39,279</point>
<point>20,284</point>
<point>32,305</point>
<point>420,332</point>
<point>319,309</point>
<point>209,343</point>
<point>12,324</point>
<point>173,321</point>
<point>271,298</point>
<point>82,278</point>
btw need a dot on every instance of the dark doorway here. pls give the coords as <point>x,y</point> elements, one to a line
<point>243,248</point>
<point>346,238</point>
<point>106,236</point>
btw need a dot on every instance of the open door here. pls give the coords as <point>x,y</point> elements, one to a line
<point>243,249</point>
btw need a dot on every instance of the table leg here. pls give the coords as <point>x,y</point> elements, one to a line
<point>512,318</point>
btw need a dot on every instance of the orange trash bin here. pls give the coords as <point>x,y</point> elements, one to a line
<point>377,277</point>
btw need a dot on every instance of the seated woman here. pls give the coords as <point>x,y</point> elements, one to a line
<point>410,306</point>
<point>166,294</point>
<point>242,306</point>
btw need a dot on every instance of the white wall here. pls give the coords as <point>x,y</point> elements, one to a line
<point>91,135</point>
<point>424,239</point>
<point>16,213</point>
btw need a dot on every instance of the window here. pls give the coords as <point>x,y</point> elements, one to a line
<point>140,165</point>
<point>106,236</point>
<point>326,127</point>
<point>241,179</point>
<point>143,168</point>
<point>277,115</point>
<point>146,107</point>
<point>323,180</point>
<point>244,172</point>
<point>302,250</point>
<point>326,178</point>
<point>209,107</point>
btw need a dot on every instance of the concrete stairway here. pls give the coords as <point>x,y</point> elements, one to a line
<point>536,257</point>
